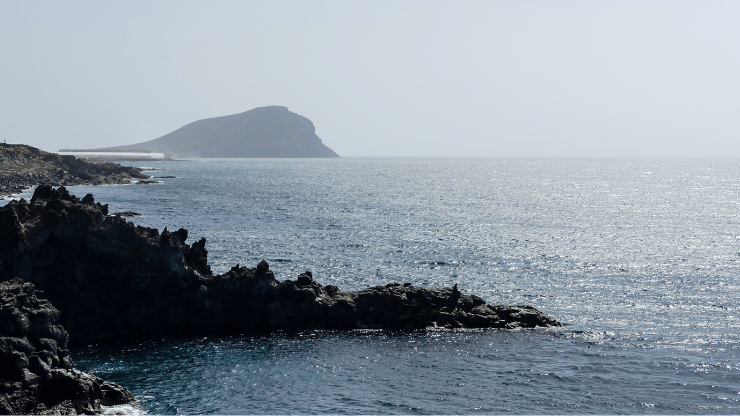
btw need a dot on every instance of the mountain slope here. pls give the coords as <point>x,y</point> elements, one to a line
<point>262,132</point>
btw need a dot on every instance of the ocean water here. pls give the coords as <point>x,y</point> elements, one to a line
<point>638,258</point>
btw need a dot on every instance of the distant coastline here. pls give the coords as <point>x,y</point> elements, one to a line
<point>23,167</point>
<point>111,155</point>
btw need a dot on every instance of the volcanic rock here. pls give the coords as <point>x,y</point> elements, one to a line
<point>23,167</point>
<point>113,281</point>
<point>36,374</point>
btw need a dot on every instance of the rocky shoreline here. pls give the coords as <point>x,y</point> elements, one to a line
<point>114,281</point>
<point>23,167</point>
<point>37,375</point>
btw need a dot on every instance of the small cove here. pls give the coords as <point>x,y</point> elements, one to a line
<point>642,269</point>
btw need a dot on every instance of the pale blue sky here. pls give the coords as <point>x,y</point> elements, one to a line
<point>382,78</point>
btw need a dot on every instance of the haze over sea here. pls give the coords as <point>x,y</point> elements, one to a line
<point>638,258</point>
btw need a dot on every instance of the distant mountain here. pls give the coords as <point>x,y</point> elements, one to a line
<point>262,132</point>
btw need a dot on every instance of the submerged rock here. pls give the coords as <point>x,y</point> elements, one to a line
<point>127,214</point>
<point>36,374</point>
<point>113,280</point>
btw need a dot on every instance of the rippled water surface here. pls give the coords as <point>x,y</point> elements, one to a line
<point>638,258</point>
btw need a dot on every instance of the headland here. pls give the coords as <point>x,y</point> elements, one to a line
<point>263,132</point>
<point>114,281</point>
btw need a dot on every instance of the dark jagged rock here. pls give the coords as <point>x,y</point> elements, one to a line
<point>36,374</point>
<point>113,280</point>
<point>23,167</point>
<point>127,214</point>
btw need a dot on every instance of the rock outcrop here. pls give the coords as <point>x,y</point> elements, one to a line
<point>23,167</point>
<point>272,131</point>
<point>113,280</point>
<point>36,374</point>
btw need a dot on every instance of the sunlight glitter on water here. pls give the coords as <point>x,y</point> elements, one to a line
<point>645,267</point>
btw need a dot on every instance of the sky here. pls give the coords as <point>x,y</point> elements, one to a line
<point>382,78</point>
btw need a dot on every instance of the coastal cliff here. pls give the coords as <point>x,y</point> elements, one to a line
<point>272,131</point>
<point>114,281</point>
<point>23,166</point>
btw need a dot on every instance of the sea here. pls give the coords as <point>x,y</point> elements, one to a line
<point>638,258</point>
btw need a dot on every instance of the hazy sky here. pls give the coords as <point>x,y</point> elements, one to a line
<point>382,78</point>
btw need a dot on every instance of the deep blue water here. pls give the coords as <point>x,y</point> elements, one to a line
<point>638,258</point>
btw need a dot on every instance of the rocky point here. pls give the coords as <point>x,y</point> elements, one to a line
<point>114,281</point>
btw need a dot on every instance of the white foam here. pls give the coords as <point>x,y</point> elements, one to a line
<point>124,409</point>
